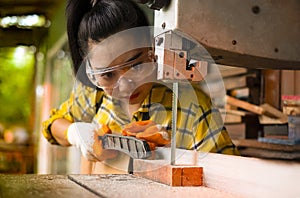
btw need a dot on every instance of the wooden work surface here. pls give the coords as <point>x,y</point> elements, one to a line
<point>254,148</point>
<point>112,186</point>
<point>223,176</point>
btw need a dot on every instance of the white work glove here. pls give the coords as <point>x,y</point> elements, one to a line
<point>85,137</point>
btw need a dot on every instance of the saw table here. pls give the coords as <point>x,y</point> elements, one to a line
<point>89,186</point>
<point>223,176</point>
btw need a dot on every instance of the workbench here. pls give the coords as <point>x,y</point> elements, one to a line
<point>223,176</point>
<point>90,186</point>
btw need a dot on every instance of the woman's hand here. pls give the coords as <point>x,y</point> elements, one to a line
<point>149,131</point>
<point>85,136</point>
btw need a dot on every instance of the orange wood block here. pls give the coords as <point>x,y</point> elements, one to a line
<point>191,176</point>
<point>172,175</point>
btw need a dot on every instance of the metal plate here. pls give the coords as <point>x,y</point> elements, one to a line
<point>253,34</point>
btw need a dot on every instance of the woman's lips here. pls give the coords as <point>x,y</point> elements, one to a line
<point>134,96</point>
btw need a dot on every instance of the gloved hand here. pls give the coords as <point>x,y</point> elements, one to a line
<point>149,131</point>
<point>85,137</point>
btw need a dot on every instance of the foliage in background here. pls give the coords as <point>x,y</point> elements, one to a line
<point>16,85</point>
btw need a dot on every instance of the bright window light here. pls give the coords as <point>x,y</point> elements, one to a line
<point>20,55</point>
<point>26,21</point>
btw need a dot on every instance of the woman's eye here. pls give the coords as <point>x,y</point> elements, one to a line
<point>137,67</point>
<point>108,75</point>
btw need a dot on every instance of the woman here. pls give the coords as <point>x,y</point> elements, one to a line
<point>117,92</point>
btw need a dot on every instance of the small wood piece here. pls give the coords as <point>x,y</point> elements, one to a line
<point>172,175</point>
<point>264,109</point>
<point>244,105</point>
<point>272,87</point>
<point>273,112</point>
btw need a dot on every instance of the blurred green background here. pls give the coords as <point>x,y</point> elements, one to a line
<point>16,80</point>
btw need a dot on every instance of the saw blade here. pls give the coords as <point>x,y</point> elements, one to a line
<point>174,122</point>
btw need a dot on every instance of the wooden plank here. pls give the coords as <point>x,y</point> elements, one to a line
<point>272,112</point>
<point>297,83</point>
<point>267,120</point>
<point>268,146</point>
<point>244,105</point>
<point>158,171</point>
<point>179,175</point>
<point>227,71</point>
<point>272,91</point>
<point>268,154</point>
<point>264,109</point>
<point>288,82</point>
<point>235,82</point>
<point>231,118</point>
<point>36,186</point>
<point>248,177</point>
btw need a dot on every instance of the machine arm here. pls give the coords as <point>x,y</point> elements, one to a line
<point>253,34</point>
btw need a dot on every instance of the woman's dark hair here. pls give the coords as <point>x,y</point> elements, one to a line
<point>95,20</point>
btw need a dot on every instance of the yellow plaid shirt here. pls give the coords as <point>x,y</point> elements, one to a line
<point>199,126</point>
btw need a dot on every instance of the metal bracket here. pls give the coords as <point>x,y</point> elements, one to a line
<point>175,59</point>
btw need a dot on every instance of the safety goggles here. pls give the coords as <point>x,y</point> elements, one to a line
<point>109,77</point>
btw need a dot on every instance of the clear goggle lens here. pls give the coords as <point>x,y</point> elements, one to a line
<point>109,77</point>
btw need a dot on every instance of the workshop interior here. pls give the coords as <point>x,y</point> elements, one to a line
<point>252,75</point>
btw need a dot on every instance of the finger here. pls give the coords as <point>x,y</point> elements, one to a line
<point>136,127</point>
<point>101,153</point>
<point>102,130</point>
<point>156,135</point>
<point>156,138</point>
<point>152,146</point>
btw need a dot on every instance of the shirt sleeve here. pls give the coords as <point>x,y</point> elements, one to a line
<point>80,107</point>
<point>210,133</point>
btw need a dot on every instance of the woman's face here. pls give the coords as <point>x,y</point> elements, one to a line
<point>128,76</point>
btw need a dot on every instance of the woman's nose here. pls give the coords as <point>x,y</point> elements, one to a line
<point>126,84</point>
